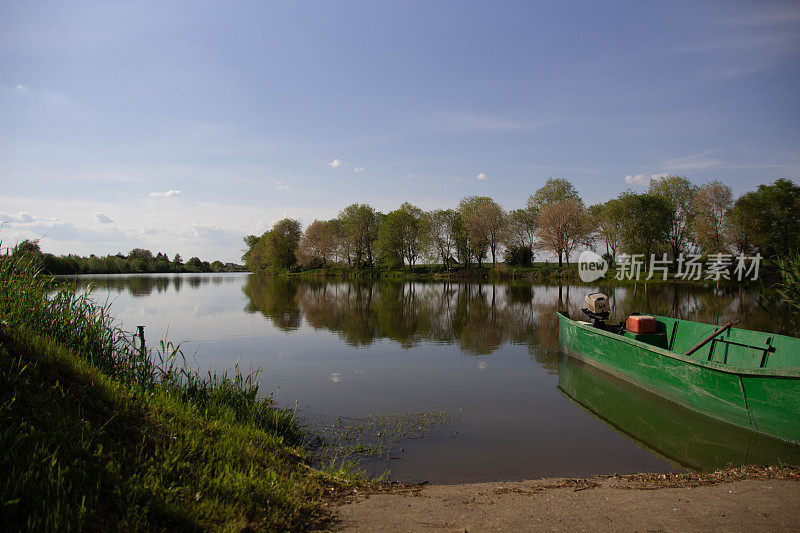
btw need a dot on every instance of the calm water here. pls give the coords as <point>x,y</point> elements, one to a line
<point>487,354</point>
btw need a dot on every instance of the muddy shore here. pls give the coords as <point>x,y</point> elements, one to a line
<point>744,499</point>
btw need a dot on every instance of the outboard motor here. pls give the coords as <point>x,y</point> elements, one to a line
<point>597,309</point>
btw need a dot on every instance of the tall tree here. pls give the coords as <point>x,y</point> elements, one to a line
<point>741,225</point>
<point>648,218</point>
<point>319,244</point>
<point>403,233</point>
<point>283,242</point>
<point>562,216</point>
<point>711,203</point>
<point>520,229</point>
<point>442,234</point>
<point>554,190</point>
<point>608,219</point>
<point>562,226</point>
<point>773,214</point>
<point>483,223</point>
<point>462,244</point>
<point>680,193</point>
<point>360,227</point>
<point>250,242</point>
<point>257,256</point>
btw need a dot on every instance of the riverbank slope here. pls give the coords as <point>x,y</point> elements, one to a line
<point>99,434</point>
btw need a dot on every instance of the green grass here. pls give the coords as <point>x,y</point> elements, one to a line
<point>538,272</point>
<point>788,286</point>
<point>97,435</point>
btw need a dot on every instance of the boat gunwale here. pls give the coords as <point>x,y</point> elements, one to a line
<point>785,372</point>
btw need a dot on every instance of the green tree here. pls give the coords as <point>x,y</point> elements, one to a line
<point>140,253</point>
<point>648,218</point>
<point>483,222</point>
<point>609,219</point>
<point>320,243</point>
<point>257,257</point>
<point>680,193</point>
<point>29,248</point>
<point>772,214</point>
<point>712,203</point>
<point>554,190</point>
<point>442,225</point>
<point>401,236</point>
<point>250,242</point>
<point>194,264</point>
<point>520,232</point>
<point>283,242</point>
<point>141,260</point>
<point>360,227</point>
<point>741,224</point>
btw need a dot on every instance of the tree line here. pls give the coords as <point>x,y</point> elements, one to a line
<point>674,216</point>
<point>136,261</point>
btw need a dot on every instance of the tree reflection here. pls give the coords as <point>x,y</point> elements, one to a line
<point>479,318</point>
<point>275,298</point>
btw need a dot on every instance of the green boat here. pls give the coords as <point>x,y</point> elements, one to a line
<point>745,378</point>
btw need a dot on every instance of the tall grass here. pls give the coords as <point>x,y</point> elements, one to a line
<point>33,301</point>
<point>789,285</point>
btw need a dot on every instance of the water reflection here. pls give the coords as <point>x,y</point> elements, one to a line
<point>479,317</point>
<point>688,438</point>
<point>143,285</point>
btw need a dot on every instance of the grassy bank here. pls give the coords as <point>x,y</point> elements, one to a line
<point>97,435</point>
<point>539,272</point>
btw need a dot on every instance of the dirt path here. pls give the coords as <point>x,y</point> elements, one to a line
<point>582,505</point>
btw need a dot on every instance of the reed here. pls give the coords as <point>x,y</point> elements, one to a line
<point>789,284</point>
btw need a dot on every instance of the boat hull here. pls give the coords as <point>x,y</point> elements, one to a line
<point>762,400</point>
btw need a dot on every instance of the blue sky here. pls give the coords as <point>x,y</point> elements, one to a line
<point>181,127</point>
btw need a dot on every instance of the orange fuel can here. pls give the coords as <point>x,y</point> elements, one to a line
<point>641,324</point>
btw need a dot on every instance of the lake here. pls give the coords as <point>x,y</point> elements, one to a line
<point>346,352</point>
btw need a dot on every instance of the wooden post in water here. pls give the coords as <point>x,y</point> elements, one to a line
<point>142,346</point>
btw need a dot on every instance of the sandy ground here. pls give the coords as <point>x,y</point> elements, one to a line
<point>583,505</point>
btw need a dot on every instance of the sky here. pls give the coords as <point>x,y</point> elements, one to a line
<point>181,127</point>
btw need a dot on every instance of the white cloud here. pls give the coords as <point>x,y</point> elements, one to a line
<point>102,219</point>
<point>209,230</point>
<point>358,169</point>
<point>336,163</point>
<point>481,176</point>
<point>22,217</point>
<point>281,186</point>
<point>643,180</point>
<point>21,88</point>
<point>169,194</point>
